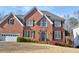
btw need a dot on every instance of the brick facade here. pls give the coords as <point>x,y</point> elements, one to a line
<point>36,16</point>
<point>11,28</point>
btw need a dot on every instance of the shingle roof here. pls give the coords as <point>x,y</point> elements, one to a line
<point>3,19</point>
<point>51,16</point>
<point>20,17</point>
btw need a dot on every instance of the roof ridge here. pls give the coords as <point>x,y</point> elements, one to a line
<point>52,16</point>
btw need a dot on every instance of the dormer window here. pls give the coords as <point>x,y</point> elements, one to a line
<point>43,23</point>
<point>11,21</point>
<point>30,22</point>
<point>57,23</point>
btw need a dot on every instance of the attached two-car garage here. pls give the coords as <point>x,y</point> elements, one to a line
<point>9,36</point>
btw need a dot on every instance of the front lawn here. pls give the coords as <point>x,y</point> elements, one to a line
<point>33,47</point>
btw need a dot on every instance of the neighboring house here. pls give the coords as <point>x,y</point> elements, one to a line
<point>39,25</point>
<point>75,37</point>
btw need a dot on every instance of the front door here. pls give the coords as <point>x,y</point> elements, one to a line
<point>43,36</point>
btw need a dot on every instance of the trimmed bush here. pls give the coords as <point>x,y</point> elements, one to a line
<point>24,39</point>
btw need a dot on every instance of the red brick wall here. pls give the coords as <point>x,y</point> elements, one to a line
<point>62,40</point>
<point>35,15</point>
<point>15,28</point>
<point>48,29</point>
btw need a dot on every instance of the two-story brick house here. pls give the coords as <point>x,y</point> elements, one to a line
<point>39,25</point>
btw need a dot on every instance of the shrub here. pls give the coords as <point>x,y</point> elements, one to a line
<point>24,39</point>
<point>68,41</point>
<point>77,46</point>
<point>27,39</point>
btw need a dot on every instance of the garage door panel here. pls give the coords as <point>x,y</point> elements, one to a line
<point>2,38</point>
<point>8,37</point>
<point>11,38</point>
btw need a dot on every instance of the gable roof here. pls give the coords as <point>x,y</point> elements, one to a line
<point>49,16</point>
<point>52,16</point>
<point>40,13</point>
<point>11,14</point>
<point>34,8</point>
<point>3,19</point>
<point>20,17</point>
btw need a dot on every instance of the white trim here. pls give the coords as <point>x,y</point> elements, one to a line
<point>57,23</point>
<point>44,15</point>
<point>4,19</point>
<point>30,23</point>
<point>27,33</point>
<point>56,37</point>
<point>31,11</point>
<point>18,20</point>
<point>48,19</point>
<point>28,12</point>
<point>40,13</point>
<point>46,24</point>
<point>10,33</point>
<point>8,16</point>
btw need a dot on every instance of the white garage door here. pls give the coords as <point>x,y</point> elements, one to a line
<point>8,36</point>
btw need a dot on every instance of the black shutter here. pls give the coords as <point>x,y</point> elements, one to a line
<point>33,22</point>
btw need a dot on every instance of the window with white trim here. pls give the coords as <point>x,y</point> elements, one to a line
<point>57,23</point>
<point>11,21</point>
<point>29,33</point>
<point>43,36</point>
<point>30,22</point>
<point>57,35</point>
<point>43,23</point>
<point>33,34</point>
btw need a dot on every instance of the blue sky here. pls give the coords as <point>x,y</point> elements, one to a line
<point>58,10</point>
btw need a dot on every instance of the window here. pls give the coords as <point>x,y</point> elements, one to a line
<point>43,23</point>
<point>33,34</point>
<point>11,21</point>
<point>27,34</point>
<point>30,34</point>
<point>57,35</point>
<point>30,22</point>
<point>43,36</point>
<point>57,23</point>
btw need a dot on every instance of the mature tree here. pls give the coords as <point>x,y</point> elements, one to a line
<point>76,14</point>
<point>72,22</point>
